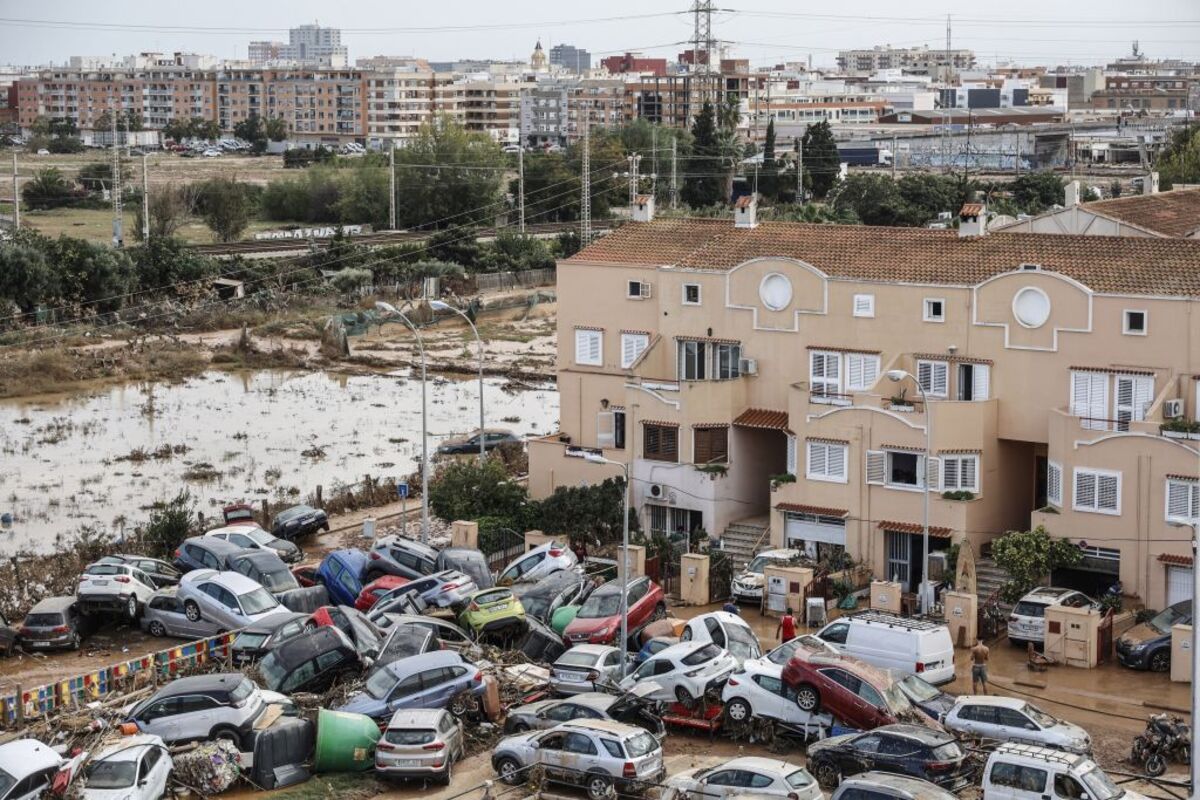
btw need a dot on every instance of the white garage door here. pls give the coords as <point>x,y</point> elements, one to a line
<point>1179,584</point>
<point>812,529</point>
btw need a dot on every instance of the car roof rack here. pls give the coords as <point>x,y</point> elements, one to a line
<point>897,621</point>
<point>1041,753</point>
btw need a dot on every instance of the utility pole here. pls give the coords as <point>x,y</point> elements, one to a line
<point>145,200</point>
<point>894,158</point>
<point>521,185</point>
<point>799,170</point>
<point>635,160</point>
<point>392,185</point>
<point>585,184</point>
<point>674,171</point>
<point>118,221</point>
<point>654,159</point>
<point>16,195</point>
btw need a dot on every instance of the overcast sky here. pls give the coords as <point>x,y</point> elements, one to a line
<point>765,31</point>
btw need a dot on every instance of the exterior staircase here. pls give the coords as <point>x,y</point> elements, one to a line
<point>989,578</point>
<point>743,539</point>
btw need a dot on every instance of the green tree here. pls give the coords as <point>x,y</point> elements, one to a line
<point>362,196</point>
<point>702,183</point>
<point>48,188</point>
<point>252,130</point>
<point>170,206</point>
<point>447,177</point>
<point>205,128</point>
<point>65,144</point>
<point>465,489</point>
<point>26,278</point>
<point>226,207</point>
<point>591,512</point>
<point>276,129</point>
<point>349,280</point>
<point>1029,558</point>
<point>770,182</point>
<point>552,188</point>
<point>926,195</point>
<point>97,176</point>
<point>812,213</point>
<point>60,127</point>
<point>568,244</point>
<point>168,261</point>
<point>874,199</point>
<point>1034,192</point>
<point>1180,160</point>
<point>512,250</point>
<point>821,162</point>
<point>90,273</point>
<point>169,524</point>
<point>456,246</point>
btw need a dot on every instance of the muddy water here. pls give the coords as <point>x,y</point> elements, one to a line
<point>101,458</point>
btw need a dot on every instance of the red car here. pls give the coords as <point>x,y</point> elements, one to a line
<point>858,694</point>
<point>371,592</point>
<point>306,574</point>
<point>599,618</point>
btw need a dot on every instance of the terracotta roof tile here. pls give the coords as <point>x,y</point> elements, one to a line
<point>1175,561</point>
<point>660,423</point>
<point>971,210</point>
<point>1128,265</point>
<point>914,527</point>
<point>801,508</point>
<point>1175,214</point>
<point>744,201</point>
<point>952,357</point>
<point>762,418</point>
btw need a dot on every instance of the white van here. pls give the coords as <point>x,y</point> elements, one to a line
<point>892,642</point>
<point>1026,772</point>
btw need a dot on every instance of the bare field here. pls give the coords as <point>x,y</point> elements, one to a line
<point>163,167</point>
<point>95,225</point>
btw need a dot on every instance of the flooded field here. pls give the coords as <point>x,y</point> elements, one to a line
<point>101,458</point>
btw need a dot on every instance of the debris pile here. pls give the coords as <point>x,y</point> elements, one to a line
<point>210,768</point>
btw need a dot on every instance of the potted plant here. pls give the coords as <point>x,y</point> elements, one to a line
<point>780,479</point>
<point>1181,429</point>
<point>900,402</point>
<point>713,470</point>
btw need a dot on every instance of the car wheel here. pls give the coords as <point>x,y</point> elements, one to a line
<point>460,704</point>
<point>682,695</point>
<point>191,610</point>
<point>1160,661</point>
<point>598,786</point>
<point>509,770</point>
<point>808,698</point>
<point>131,607</point>
<point>520,727</point>
<point>738,710</point>
<point>827,774</point>
<point>660,611</point>
<point>76,640</point>
<point>227,735</point>
<point>157,629</point>
<point>448,774</point>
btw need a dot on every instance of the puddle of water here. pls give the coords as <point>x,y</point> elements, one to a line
<point>64,458</point>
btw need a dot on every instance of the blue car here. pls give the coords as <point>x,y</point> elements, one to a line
<point>342,573</point>
<point>438,679</point>
<point>653,647</point>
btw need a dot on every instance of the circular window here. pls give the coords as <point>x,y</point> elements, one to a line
<point>775,291</point>
<point>1031,307</point>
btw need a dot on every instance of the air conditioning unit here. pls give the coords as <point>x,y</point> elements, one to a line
<point>1173,409</point>
<point>658,491</point>
<point>647,291</point>
<point>748,366</point>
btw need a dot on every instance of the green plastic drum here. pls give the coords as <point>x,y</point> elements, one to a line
<point>345,742</point>
<point>562,617</point>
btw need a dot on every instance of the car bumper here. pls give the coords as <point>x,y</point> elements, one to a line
<point>657,776</point>
<point>560,686</point>
<point>399,766</point>
<point>102,602</point>
<point>940,676</point>
<point>1016,634</point>
<point>1134,659</point>
<point>745,594</point>
<point>45,642</point>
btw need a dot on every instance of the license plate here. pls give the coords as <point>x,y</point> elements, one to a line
<point>39,644</point>
<point>406,762</point>
<point>100,582</point>
<point>571,676</point>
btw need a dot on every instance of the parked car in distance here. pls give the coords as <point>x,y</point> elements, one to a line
<point>341,572</point>
<point>133,768</point>
<point>1027,622</point>
<point>599,618</point>
<point>1148,645</point>
<point>54,623</point>
<point>757,690</point>
<point>267,569</point>
<point>889,641</point>
<point>628,707</point>
<point>684,672</point>
<point>432,680</point>
<point>653,646</point>
<point>922,694</point>
<point>204,552</point>
<point>1026,772</point>
<point>586,668</point>
<point>727,631</point>
<point>396,555</point>
<point>748,775</point>
<point>27,767</point>
<point>630,761</point>
<point>311,661</point>
<point>159,572</point>
<point>376,589</point>
<point>250,538</point>
<point>164,616</point>
<point>538,563</point>
<point>912,750</point>
<point>747,585</point>
<point>217,706</point>
<point>558,589</point>
<point>114,587</point>
<point>468,560</point>
<point>1013,719</point>
<point>885,786</point>
<point>227,599</point>
<point>352,622</point>
<point>862,696</point>
<point>256,640</point>
<point>299,521</point>
<point>492,438</point>
<point>493,611</point>
<point>420,743</point>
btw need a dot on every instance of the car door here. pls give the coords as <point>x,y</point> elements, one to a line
<point>406,693</point>
<point>716,633</point>
<point>1015,726</point>
<point>975,720</point>
<point>639,603</point>
<point>611,668</point>
<point>198,715</point>
<point>161,719</point>
<point>861,754</point>
<point>549,753</point>
<point>768,700</point>
<point>1016,782</point>
<point>874,701</point>
<point>839,695</point>
<point>898,755</point>
<point>580,754</point>
<point>556,714</point>
<point>152,774</point>
<point>723,783</point>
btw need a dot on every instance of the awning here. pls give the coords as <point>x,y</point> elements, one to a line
<point>820,511</point>
<point>762,418</point>
<point>1175,561</point>
<point>914,527</point>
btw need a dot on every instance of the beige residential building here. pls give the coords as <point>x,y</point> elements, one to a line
<point>1164,214</point>
<point>722,361</point>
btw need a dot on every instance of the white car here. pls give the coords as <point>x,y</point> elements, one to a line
<point>538,563</point>
<point>889,641</point>
<point>782,654</point>
<point>747,585</point>
<point>758,690</point>
<point>727,631</point>
<point>585,668</point>
<point>1011,719</point>
<point>211,152</point>
<point>134,768</point>
<point>228,600</point>
<point>43,152</point>
<point>750,775</point>
<point>122,588</point>
<point>1027,622</point>
<point>26,769</point>
<point>684,671</point>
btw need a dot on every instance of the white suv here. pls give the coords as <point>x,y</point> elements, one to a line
<point>1027,622</point>
<point>747,585</point>
<point>114,587</point>
<point>1024,772</point>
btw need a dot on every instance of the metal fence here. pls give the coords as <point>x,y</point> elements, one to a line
<point>524,279</point>
<point>500,546</point>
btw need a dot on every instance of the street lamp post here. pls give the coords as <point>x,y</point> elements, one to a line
<point>389,309</point>
<point>1195,760</point>
<point>926,588</point>
<point>438,305</point>
<point>596,458</point>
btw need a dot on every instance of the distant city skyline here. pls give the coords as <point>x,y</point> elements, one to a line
<point>765,31</point>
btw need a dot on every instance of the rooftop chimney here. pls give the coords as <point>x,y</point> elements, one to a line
<point>1150,184</point>
<point>643,208</point>
<point>972,220</point>
<point>745,211</point>
<point>1072,194</point>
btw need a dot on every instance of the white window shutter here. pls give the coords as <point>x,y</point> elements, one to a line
<point>870,371</point>
<point>854,371</point>
<point>981,388</point>
<point>864,305</point>
<point>791,454</point>
<point>950,473</point>
<point>816,459</point>
<point>1108,492</point>
<point>876,467</point>
<point>1143,396</point>
<point>968,477</point>
<point>836,457</point>
<point>932,468</point>
<point>1054,483</point>
<point>606,429</point>
<point>941,379</point>
<point>1089,398</point>
<point>588,347</point>
<point>1179,499</point>
<point>924,374</point>
<point>632,345</point>
<point>1085,489</point>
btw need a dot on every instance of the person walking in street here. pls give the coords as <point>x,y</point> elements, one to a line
<point>786,630</point>
<point>731,607</point>
<point>979,667</point>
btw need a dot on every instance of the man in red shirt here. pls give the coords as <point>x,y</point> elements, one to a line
<point>787,627</point>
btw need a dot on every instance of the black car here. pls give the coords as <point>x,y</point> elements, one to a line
<point>362,633</point>
<point>540,642</point>
<point>407,639</point>
<point>923,694</point>
<point>469,561</point>
<point>1148,645</point>
<point>268,570</point>
<point>470,444</point>
<point>299,521</point>
<point>255,641</point>
<point>912,750</point>
<point>563,588</point>
<point>310,662</point>
<point>159,572</point>
<point>55,623</point>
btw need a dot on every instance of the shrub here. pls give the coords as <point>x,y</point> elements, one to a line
<point>1029,558</point>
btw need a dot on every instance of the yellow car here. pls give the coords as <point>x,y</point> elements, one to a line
<point>493,611</point>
